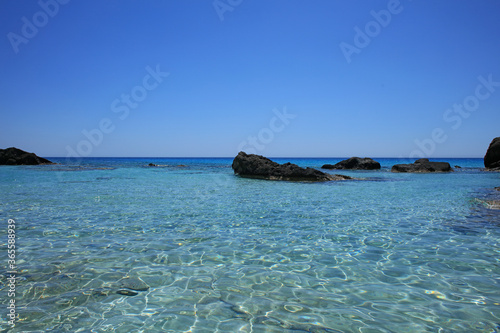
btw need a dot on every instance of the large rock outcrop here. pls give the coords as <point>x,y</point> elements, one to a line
<point>256,166</point>
<point>492,157</point>
<point>354,163</point>
<point>15,156</point>
<point>423,165</point>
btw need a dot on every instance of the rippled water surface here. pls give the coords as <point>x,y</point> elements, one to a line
<point>111,245</point>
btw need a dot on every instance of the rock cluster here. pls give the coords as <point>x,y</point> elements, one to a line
<point>256,166</point>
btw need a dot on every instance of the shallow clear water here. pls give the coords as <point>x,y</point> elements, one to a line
<point>111,245</point>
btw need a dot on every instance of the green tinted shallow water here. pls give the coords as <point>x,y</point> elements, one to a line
<point>119,247</point>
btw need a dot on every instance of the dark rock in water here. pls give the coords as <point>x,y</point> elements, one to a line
<point>355,163</point>
<point>127,292</point>
<point>15,156</point>
<point>256,166</point>
<point>497,188</point>
<point>492,157</point>
<point>151,164</point>
<point>458,167</point>
<point>423,165</point>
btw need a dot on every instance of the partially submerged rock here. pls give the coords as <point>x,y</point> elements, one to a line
<point>423,165</point>
<point>15,156</point>
<point>126,292</point>
<point>257,166</point>
<point>133,283</point>
<point>355,163</point>
<point>492,157</point>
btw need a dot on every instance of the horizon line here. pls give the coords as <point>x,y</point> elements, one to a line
<point>221,157</point>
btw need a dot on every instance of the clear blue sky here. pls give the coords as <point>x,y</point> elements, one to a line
<point>229,67</point>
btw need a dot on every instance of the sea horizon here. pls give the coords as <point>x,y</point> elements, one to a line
<point>270,157</point>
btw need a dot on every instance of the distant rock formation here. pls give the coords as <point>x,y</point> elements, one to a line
<point>493,204</point>
<point>423,165</point>
<point>15,156</point>
<point>492,157</point>
<point>355,163</point>
<point>256,166</point>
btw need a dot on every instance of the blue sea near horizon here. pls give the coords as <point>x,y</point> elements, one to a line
<point>112,245</point>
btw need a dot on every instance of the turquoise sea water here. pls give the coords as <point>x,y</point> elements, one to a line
<point>111,245</point>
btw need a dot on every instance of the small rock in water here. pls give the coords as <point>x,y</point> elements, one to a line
<point>151,164</point>
<point>355,163</point>
<point>493,204</point>
<point>133,284</point>
<point>127,292</point>
<point>458,167</point>
<point>422,165</point>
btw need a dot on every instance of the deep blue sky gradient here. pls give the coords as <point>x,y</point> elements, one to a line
<point>227,76</point>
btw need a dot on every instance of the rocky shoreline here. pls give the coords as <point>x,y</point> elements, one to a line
<point>257,166</point>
